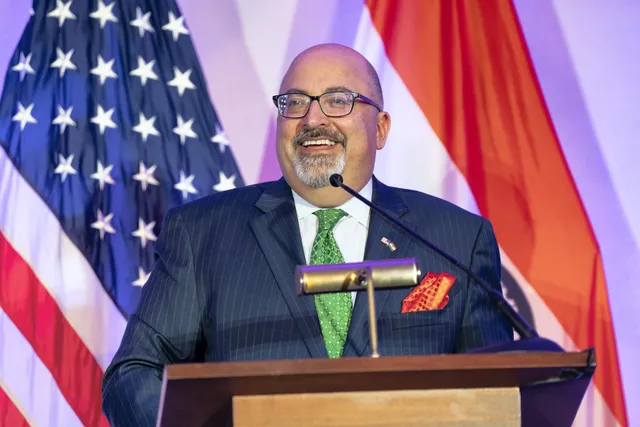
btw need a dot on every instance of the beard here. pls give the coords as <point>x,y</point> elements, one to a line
<point>315,169</point>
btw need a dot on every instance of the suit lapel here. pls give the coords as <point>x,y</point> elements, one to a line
<point>379,227</point>
<point>278,235</point>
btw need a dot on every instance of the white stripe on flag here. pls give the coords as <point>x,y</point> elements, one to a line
<point>414,157</point>
<point>29,383</point>
<point>35,233</point>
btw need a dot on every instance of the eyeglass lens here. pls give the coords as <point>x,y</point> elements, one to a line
<point>333,104</point>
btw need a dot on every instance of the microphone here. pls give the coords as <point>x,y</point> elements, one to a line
<point>513,317</point>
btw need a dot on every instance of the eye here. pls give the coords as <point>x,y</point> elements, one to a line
<point>295,101</point>
<point>339,100</point>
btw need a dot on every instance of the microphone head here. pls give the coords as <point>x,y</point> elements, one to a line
<point>336,180</point>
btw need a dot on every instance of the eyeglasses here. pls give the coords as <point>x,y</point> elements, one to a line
<point>332,104</point>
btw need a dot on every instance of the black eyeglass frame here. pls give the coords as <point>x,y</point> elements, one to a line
<point>356,96</point>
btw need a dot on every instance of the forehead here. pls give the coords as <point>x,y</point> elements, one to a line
<point>316,73</point>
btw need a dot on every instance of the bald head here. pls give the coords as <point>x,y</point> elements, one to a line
<point>326,54</point>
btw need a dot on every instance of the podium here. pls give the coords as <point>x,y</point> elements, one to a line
<point>512,388</point>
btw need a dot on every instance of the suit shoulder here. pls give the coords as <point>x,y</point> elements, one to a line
<point>435,206</point>
<point>225,202</point>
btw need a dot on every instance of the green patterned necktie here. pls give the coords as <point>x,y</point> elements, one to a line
<point>334,309</point>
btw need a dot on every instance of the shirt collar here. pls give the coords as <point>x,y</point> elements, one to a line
<point>353,207</point>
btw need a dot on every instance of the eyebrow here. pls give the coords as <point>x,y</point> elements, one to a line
<point>338,89</point>
<point>296,90</point>
<point>329,89</point>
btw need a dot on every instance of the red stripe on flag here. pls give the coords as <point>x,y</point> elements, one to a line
<point>35,313</point>
<point>466,64</point>
<point>9,414</point>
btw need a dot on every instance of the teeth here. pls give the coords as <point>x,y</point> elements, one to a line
<point>318,142</point>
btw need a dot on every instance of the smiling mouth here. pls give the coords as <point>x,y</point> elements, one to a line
<point>318,142</point>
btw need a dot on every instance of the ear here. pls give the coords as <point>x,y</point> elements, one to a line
<point>383,123</point>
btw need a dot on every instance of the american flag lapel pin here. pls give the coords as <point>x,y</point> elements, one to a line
<point>388,243</point>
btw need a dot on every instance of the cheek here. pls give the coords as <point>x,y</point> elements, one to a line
<point>361,139</point>
<point>285,132</point>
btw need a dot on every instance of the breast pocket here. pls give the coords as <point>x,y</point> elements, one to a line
<point>422,319</point>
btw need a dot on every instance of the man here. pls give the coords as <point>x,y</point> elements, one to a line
<point>223,285</point>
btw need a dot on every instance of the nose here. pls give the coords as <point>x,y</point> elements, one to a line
<point>315,117</point>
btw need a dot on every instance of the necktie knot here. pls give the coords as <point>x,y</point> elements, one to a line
<point>328,218</point>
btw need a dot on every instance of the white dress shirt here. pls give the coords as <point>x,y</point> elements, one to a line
<point>350,232</point>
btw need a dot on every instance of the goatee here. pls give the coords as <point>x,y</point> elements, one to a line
<point>314,169</point>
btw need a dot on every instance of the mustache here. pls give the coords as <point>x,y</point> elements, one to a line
<point>317,133</point>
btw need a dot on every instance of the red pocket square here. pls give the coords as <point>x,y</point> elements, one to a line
<point>430,294</point>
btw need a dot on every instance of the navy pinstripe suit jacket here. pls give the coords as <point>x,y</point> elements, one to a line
<point>223,289</point>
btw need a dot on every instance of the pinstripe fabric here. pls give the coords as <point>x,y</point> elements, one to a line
<point>222,290</point>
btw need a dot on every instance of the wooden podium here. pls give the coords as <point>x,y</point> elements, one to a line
<point>528,388</point>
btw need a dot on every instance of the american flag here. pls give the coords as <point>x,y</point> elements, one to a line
<point>105,123</point>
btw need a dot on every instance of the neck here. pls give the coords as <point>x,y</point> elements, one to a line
<point>324,197</point>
